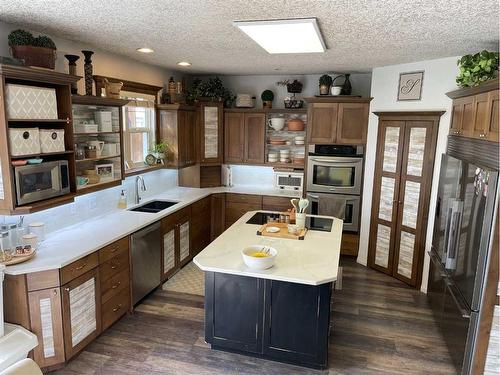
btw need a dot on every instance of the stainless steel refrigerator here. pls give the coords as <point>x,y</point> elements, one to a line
<point>459,253</point>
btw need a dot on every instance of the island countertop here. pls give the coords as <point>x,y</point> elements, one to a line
<point>312,261</point>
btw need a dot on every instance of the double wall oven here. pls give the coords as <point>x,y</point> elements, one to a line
<point>334,178</point>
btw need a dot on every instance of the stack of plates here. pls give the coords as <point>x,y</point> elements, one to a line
<point>272,157</point>
<point>299,140</point>
<point>284,156</point>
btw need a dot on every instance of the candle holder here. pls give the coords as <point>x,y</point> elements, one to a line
<point>87,68</point>
<point>72,59</point>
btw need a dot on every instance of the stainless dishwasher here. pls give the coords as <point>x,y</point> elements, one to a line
<point>146,261</point>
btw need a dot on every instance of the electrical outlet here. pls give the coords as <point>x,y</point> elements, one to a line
<point>92,203</point>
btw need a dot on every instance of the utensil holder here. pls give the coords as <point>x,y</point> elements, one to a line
<point>300,220</point>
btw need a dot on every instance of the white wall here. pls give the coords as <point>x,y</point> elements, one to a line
<point>439,78</point>
<point>104,63</point>
<point>255,84</point>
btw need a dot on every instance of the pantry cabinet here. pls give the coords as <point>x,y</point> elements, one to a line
<point>475,112</point>
<point>81,309</point>
<point>338,120</point>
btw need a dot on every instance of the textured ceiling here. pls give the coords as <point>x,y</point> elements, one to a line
<point>359,34</point>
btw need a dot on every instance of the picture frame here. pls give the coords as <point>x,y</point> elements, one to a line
<point>106,172</point>
<point>410,86</point>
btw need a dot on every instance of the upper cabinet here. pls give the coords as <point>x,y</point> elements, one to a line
<point>337,120</point>
<point>475,112</point>
<point>210,132</point>
<point>244,137</point>
<point>177,125</point>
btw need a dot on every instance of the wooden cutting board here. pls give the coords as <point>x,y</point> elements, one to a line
<point>283,233</point>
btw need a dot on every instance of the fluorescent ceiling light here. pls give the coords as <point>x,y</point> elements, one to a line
<point>285,36</point>
<point>145,50</point>
<point>184,63</point>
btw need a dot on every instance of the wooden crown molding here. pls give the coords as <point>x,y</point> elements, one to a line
<point>469,91</point>
<point>37,74</point>
<point>139,87</point>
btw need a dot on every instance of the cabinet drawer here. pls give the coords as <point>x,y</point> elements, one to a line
<point>115,308</point>
<point>115,285</point>
<point>236,210</point>
<point>113,249</point>
<point>243,198</point>
<point>115,265</point>
<point>270,203</point>
<point>79,267</point>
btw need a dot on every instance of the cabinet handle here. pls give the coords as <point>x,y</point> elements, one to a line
<point>113,267</point>
<point>113,250</point>
<point>55,292</point>
<point>116,285</point>
<point>117,308</point>
<point>482,135</point>
<point>81,267</point>
<point>66,289</point>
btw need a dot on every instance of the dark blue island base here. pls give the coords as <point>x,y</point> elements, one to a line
<point>277,320</point>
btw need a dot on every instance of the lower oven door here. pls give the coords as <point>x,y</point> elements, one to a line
<point>345,207</point>
<point>337,175</point>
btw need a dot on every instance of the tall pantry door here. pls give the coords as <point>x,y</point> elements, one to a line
<point>400,208</point>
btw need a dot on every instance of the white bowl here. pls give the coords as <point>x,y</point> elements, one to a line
<point>259,263</point>
<point>299,143</point>
<point>299,138</point>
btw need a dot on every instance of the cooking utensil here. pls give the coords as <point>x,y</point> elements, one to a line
<point>303,203</point>
<point>295,204</point>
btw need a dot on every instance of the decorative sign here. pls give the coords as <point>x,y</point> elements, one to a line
<point>410,86</point>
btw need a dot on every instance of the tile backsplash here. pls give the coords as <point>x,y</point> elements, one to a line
<point>99,203</point>
<point>249,175</point>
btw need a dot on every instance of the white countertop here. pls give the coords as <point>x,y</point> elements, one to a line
<point>64,246</point>
<point>312,261</point>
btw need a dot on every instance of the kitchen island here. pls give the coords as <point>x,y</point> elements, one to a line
<point>281,313</point>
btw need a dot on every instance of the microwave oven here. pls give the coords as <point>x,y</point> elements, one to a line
<point>41,181</point>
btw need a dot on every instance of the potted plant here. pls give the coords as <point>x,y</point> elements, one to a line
<point>212,89</point>
<point>293,87</point>
<point>35,51</point>
<point>325,81</point>
<point>478,68</point>
<point>267,97</point>
<point>159,150</point>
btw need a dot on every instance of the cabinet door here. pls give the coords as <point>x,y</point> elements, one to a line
<point>218,215</point>
<point>170,258</point>
<point>169,131</point>
<point>200,226</point>
<point>183,139</point>
<point>492,131</point>
<point>255,133</point>
<point>184,242</point>
<point>238,324</point>
<point>280,204</point>
<point>210,115</point>
<point>456,117</point>
<point>81,312</point>
<point>190,142</point>
<point>462,121</point>
<point>47,323</point>
<point>234,137</point>
<point>482,115</point>
<point>352,123</point>
<point>322,123</point>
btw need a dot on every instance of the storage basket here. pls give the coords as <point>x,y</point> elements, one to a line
<point>30,102</point>
<point>51,140</point>
<point>24,141</point>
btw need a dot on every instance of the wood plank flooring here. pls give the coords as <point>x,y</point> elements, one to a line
<point>381,326</point>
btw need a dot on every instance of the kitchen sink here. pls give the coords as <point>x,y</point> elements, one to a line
<point>154,206</point>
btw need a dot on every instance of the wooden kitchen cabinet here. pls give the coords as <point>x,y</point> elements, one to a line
<point>338,120</point>
<point>210,130</point>
<point>281,204</point>
<point>239,204</point>
<point>475,112</point>
<point>218,215</point>
<point>244,140</point>
<point>176,242</point>
<point>81,310</point>
<point>47,324</point>
<point>177,125</point>
<point>200,225</point>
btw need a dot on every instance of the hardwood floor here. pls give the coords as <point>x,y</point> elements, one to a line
<point>381,326</point>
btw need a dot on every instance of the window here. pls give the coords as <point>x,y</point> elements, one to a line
<point>138,130</point>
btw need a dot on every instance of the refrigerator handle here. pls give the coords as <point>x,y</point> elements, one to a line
<point>463,310</point>
<point>453,236</point>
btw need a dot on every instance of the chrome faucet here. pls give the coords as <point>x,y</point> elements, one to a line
<point>139,184</point>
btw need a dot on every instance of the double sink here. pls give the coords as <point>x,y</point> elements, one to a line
<point>154,207</point>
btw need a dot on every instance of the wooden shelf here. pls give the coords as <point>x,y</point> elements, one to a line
<point>99,186</point>
<point>98,100</point>
<point>139,170</point>
<point>22,120</point>
<point>285,165</point>
<point>43,205</point>
<point>96,133</point>
<point>34,156</point>
<point>97,159</point>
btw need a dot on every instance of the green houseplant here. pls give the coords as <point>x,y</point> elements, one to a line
<point>160,150</point>
<point>477,68</point>
<point>267,97</point>
<point>35,51</point>
<point>212,89</point>
<point>325,82</point>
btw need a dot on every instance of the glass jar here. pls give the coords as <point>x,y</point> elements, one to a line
<point>79,152</point>
<point>14,239</point>
<point>5,241</point>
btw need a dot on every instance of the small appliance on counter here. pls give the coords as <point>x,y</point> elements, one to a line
<point>287,180</point>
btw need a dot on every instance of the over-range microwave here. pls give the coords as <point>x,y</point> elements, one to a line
<point>41,181</point>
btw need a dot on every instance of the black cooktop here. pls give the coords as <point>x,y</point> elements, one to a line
<point>312,223</point>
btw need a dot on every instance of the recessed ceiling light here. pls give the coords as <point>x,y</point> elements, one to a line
<point>184,63</point>
<point>145,50</point>
<point>285,36</point>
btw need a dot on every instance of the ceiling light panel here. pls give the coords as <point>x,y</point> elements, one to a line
<point>285,36</point>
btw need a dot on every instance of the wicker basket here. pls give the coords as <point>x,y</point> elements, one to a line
<point>35,56</point>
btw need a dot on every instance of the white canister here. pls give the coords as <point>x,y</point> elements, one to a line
<point>38,228</point>
<point>110,149</point>
<point>31,240</point>
<point>300,220</point>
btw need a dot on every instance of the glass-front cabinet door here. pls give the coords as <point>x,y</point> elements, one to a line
<point>210,117</point>
<point>403,176</point>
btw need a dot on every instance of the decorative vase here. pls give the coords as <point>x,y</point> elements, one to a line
<point>346,87</point>
<point>324,89</point>
<point>72,59</point>
<point>87,68</point>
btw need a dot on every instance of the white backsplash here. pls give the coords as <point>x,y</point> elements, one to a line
<point>249,175</point>
<point>99,203</point>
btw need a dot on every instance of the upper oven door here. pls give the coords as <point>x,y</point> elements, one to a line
<point>342,175</point>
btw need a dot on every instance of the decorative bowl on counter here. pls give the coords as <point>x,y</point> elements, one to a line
<point>259,257</point>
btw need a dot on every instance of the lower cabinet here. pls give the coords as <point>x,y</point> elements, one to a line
<point>81,310</point>
<point>176,242</point>
<point>200,225</point>
<point>281,204</point>
<point>239,204</point>
<point>47,323</point>
<point>218,215</point>
<point>272,319</point>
